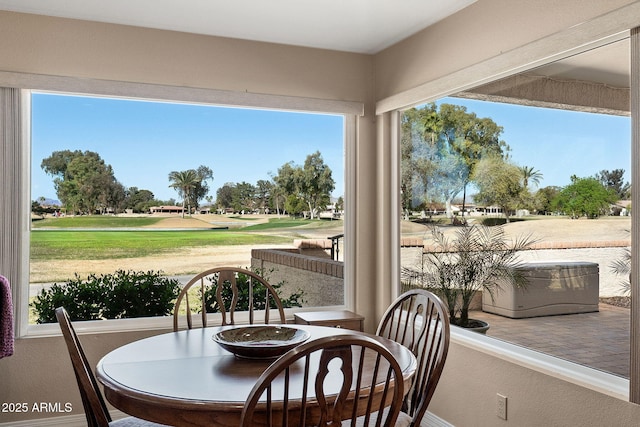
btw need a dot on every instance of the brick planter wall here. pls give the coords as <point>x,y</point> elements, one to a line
<point>321,278</point>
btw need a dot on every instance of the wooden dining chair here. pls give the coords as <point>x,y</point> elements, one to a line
<point>94,405</point>
<point>341,387</point>
<point>233,287</point>
<point>418,320</point>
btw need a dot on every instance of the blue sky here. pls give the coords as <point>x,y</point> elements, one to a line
<point>559,143</point>
<point>144,141</point>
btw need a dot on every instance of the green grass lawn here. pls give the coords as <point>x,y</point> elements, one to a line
<point>100,241</point>
<point>96,244</point>
<point>94,221</point>
<point>280,223</point>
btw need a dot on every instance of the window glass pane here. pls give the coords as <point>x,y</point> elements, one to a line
<point>126,190</point>
<point>515,164</point>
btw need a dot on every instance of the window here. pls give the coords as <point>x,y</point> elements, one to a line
<point>300,131</point>
<point>566,155</point>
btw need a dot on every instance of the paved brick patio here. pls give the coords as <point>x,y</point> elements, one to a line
<point>599,340</point>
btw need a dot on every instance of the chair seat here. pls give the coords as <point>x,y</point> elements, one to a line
<point>134,422</point>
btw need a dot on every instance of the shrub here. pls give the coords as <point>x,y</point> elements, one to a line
<point>124,294</point>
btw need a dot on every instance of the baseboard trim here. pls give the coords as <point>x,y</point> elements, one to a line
<point>78,420</point>
<point>65,420</point>
<point>429,420</point>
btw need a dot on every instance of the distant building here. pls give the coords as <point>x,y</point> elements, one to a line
<point>166,209</point>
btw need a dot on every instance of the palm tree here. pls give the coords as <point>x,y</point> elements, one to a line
<point>184,182</point>
<point>530,174</point>
<point>622,267</point>
<point>475,259</point>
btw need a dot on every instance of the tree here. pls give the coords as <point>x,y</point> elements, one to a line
<point>311,183</point>
<point>83,181</point>
<point>439,152</point>
<point>614,180</point>
<point>224,196</point>
<point>191,185</point>
<point>499,184</point>
<point>263,194</point>
<point>138,200</point>
<point>316,183</point>
<point>529,174</point>
<point>544,198</point>
<point>244,197</point>
<point>472,138</point>
<point>201,187</point>
<point>184,182</point>
<point>585,197</point>
<point>418,148</point>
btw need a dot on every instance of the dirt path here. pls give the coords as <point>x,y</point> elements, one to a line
<point>187,261</point>
<point>551,229</point>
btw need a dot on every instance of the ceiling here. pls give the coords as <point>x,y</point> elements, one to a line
<point>363,26</point>
<point>594,81</point>
<point>609,65</point>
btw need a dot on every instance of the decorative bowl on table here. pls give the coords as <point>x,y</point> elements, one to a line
<point>260,341</point>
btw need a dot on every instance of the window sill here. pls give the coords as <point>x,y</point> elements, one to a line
<point>102,326</point>
<point>142,324</point>
<point>574,373</point>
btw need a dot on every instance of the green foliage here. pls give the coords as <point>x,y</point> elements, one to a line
<point>184,183</point>
<point>191,185</point>
<point>139,200</point>
<point>585,197</point>
<point>259,294</point>
<point>499,183</point>
<point>312,184</point>
<point>529,174</point>
<point>244,197</point>
<point>614,181</point>
<point>493,221</point>
<point>622,267</point>
<point>440,148</point>
<point>124,294</point>
<point>84,183</point>
<point>544,198</point>
<point>295,205</point>
<point>478,258</point>
<point>38,209</point>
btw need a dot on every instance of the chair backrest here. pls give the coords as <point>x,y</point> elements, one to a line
<point>233,287</point>
<point>418,320</point>
<point>95,408</point>
<point>365,379</point>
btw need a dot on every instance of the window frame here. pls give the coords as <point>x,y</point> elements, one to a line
<point>610,28</point>
<point>349,110</point>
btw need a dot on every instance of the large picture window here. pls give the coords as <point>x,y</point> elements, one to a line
<point>257,150</point>
<point>128,190</point>
<point>516,158</point>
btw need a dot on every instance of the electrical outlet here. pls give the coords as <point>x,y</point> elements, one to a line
<point>501,406</point>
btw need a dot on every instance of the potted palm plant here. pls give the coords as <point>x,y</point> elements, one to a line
<point>475,259</point>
